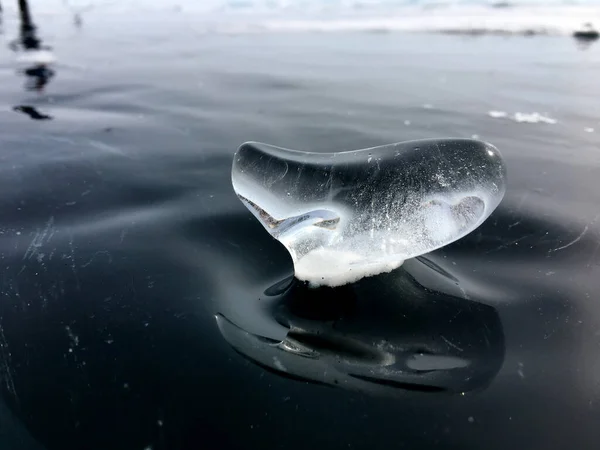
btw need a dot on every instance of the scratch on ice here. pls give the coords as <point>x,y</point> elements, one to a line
<point>574,241</point>
<point>578,238</point>
<point>454,346</point>
<point>40,238</point>
<point>5,369</point>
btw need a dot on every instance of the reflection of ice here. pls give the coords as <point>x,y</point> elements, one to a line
<point>387,337</point>
<point>424,362</point>
<point>344,216</point>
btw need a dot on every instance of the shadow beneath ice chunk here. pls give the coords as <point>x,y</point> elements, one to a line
<point>384,335</point>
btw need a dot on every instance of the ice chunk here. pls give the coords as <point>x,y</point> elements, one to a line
<point>347,215</point>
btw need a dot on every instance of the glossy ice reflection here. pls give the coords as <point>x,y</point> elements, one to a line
<point>386,335</point>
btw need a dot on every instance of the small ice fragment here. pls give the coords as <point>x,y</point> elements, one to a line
<point>427,106</point>
<point>471,419</point>
<point>475,136</point>
<point>588,130</point>
<point>532,118</point>
<point>407,122</point>
<point>368,218</point>
<point>497,114</point>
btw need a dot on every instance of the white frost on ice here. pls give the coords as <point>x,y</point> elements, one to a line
<point>335,268</point>
<point>532,118</point>
<point>497,114</point>
<point>521,117</point>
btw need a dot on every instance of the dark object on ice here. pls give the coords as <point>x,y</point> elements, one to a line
<point>39,73</point>
<point>588,33</point>
<point>38,77</point>
<point>32,112</point>
<point>28,39</point>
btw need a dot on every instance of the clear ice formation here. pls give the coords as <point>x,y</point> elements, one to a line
<point>347,215</point>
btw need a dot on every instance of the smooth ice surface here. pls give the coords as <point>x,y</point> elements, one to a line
<point>347,215</point>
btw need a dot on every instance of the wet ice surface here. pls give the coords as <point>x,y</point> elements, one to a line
<point>148,242</point>
<point>347,215</point>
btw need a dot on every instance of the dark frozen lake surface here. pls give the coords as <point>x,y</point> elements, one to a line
<point>130,272</point>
